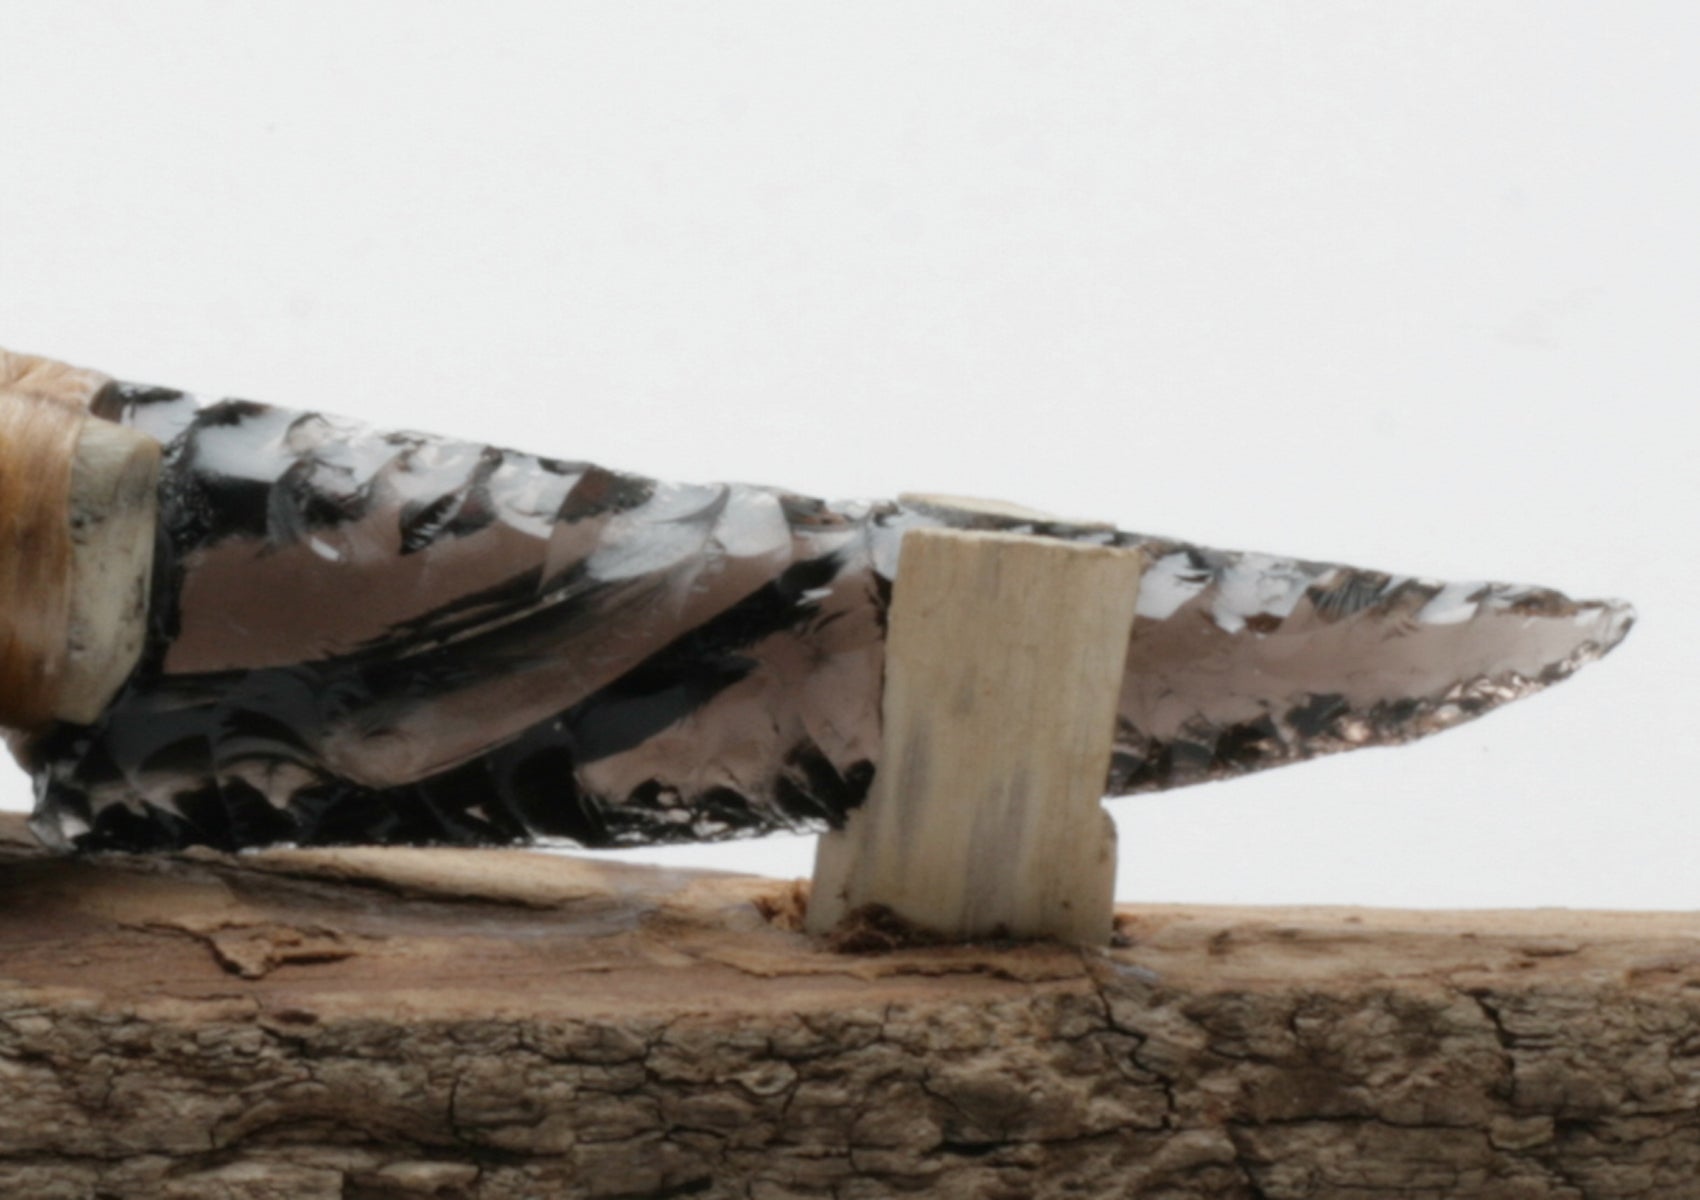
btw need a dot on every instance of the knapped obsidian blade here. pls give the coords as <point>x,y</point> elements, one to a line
<point>392,637</point>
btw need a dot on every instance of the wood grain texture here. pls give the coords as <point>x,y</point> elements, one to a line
<point>503,1025</point>
<point>1003,667</point>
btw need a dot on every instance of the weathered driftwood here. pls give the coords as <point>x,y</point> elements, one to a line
<point>386,1025</point>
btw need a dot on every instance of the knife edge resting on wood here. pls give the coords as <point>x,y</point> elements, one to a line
<point>231,624</point>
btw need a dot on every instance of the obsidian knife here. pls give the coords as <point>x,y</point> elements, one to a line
<point>366,636</point>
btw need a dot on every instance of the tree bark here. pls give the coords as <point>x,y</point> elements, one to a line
<point>388,1025</point>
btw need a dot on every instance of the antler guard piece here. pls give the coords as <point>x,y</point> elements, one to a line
<point>79,514</point>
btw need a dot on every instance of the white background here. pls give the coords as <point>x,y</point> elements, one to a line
<point>1405,285</point>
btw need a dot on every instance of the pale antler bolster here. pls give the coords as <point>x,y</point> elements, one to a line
<point>77,528</point>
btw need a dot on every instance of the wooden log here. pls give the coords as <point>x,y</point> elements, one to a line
<point>1004,660</point>
<point>498,1025</point>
